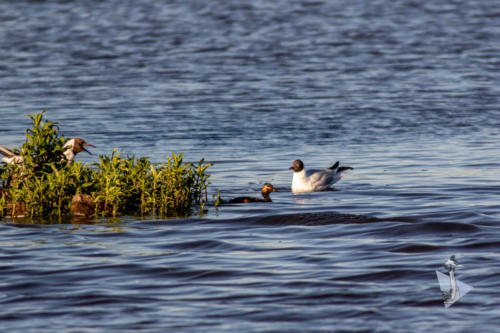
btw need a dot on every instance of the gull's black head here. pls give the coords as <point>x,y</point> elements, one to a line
<point>79,145</point>
<point>297,166</point>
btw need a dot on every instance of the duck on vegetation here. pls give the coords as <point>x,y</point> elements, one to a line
<point>82,205</point>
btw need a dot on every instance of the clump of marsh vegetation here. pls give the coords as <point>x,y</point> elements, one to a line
<point>46,185</point>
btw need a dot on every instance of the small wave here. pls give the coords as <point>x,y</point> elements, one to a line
<point>447,227</point>
<point>203,244</point>
<point>415,248</point>
<point>381,276</point>
<point>416,228</point>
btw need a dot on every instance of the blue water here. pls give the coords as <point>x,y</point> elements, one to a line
<point>405,92</point>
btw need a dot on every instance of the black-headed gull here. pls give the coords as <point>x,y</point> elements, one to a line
<point>266,191</point>
<point>315,180</point>
<point>73,147</point>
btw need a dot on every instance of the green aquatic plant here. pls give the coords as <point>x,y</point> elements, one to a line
<point>109,183</point>
<point>45,184</point>
<point>138,187</point>
<point>179,186</point>
<point>43,147</point>
<point>3,192</point>
<point>30,186</point>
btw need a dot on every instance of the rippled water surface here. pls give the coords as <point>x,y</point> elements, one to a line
<point>406,92</point>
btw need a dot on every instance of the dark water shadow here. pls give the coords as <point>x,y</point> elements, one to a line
<point>307,219</point>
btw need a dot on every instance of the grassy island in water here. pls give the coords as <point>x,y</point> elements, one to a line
<point>45,184</point>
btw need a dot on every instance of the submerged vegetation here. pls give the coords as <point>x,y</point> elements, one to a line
<point>46,185</point>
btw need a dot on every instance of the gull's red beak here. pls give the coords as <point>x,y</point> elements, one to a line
<point>90,145</point>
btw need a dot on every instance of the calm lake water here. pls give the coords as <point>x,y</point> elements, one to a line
<point>406,92</point>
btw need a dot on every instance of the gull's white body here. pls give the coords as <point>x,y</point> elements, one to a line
<point>69,153</point>
<point>314,180</point>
